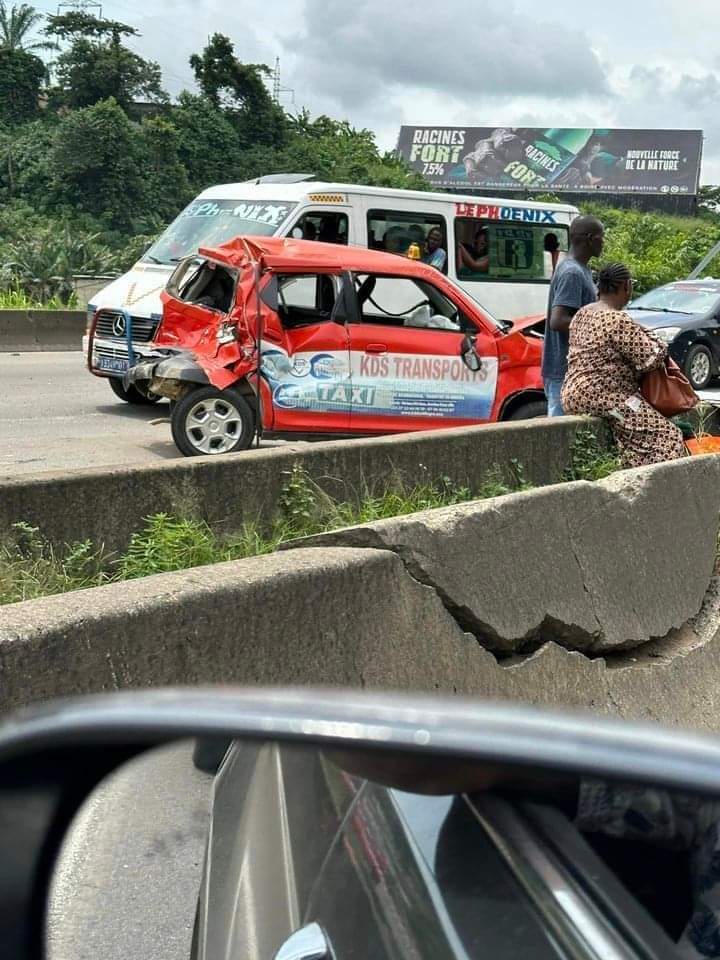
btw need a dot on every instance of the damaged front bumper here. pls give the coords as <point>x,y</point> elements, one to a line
<point>165,375</point>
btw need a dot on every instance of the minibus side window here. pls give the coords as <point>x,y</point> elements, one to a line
<point>489,250</point>
<point>325,226</point>
<point>394,231</point>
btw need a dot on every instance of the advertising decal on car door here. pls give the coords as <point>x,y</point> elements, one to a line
<point>422,385</point>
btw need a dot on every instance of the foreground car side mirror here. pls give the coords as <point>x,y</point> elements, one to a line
<point>52,758</point>
<point>469,354</point>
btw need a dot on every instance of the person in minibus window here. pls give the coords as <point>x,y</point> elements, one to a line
<point>397,240</point>
<point>476,256</point>
<point>434,254</point>
<point>551,245</point>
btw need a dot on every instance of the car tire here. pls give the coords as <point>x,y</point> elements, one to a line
<point>208,421</point>
<point>698,366</point>
<point>529,410</point>
<point>131,394</point>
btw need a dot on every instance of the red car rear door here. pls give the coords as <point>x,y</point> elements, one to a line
<point>405,354</point>
<point>306,356</point>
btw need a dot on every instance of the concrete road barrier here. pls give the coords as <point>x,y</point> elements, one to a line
<point>595,566</point>
<point>107,506</point>
<point>23,330</point>
<point>599,595</point>
<point>344,617</point>
<point>336,616</point>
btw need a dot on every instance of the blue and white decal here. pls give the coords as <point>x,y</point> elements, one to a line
<point>393,384</point>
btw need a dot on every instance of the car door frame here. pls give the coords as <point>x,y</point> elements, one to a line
<point>310,422</point>
<point>378,423</point>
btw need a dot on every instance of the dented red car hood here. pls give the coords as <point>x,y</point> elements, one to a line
<point>524,323</point>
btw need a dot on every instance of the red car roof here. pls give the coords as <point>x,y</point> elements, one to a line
<point>284,253</point>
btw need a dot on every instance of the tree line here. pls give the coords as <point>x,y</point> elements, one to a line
<point>95,157</point>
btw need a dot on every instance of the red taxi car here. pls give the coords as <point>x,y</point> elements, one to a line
<point>279,336</point>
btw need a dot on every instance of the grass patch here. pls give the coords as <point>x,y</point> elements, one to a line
<point>590,457</point>
<point>16,298</point>
<point>30,567</point>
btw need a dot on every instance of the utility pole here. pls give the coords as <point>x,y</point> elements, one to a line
<point>277,88</point>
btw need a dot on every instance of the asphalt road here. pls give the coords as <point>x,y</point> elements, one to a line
<point>54,415</point>
<point>129,873</point>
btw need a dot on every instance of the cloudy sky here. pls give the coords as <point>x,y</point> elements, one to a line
<point>624,63</point>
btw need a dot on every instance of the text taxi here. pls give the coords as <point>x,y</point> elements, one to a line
<point>283,336</point>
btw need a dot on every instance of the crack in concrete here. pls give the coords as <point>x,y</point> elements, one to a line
<point>564,634</point>
<point>509,650</point>
<point>583,576</point>
<point>656,650</point>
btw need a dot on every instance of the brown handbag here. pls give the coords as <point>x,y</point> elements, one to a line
<point>668,390</point>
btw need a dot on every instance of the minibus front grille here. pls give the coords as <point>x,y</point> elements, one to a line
<point>111,326</point>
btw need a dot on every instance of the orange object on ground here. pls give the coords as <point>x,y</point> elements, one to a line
<point>704,445</point>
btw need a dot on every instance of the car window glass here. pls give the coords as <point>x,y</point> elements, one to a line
<point>382,894</point>
<point>406,302</point>
<point>395,230</point>
<point>307,298</point>
<point>204,283</point>
<point>488,250</point>
<point>323,226</point>
<point>208,223</point>
<point>679,297</point>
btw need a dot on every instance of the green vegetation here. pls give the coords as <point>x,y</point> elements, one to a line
<point>95,159</point>
<point>31,567</point>
<point>657,248</point>
<point>16,297</point>
<point>591,458</point>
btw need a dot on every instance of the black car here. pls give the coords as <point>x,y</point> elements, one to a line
<point>686,316</point>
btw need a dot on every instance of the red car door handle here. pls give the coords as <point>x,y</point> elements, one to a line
<point>376,348</point>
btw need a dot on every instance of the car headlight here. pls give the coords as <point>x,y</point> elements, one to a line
<point>666,334</point>
<point>89,317</point>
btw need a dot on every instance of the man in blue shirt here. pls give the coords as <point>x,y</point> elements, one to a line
<point>571,287</point>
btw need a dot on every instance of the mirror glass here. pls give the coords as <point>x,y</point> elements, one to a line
<point>296,233</point>
<point>469,354</point>
<point>214,849</point>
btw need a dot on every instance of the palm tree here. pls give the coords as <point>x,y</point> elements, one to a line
<point>15,25</point>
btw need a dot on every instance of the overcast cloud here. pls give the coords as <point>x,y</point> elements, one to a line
<point>516,63</point>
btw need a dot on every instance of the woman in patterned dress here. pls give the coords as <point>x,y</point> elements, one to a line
<point>608,355</point>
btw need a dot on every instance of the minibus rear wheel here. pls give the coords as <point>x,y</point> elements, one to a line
<point>208,421</point>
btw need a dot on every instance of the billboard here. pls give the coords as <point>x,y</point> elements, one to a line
<point>555,159</point>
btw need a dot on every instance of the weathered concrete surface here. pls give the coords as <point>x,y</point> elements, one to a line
<point>22,330</point>
<point>594,566</point>
<point>108,505</point>
<point>342,617</point>
<point>332,617</point>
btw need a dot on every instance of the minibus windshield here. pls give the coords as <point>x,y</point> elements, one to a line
<point>208,223</point>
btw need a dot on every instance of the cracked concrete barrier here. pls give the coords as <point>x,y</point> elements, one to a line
<point>335,617</point>
<point>595,567</point>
